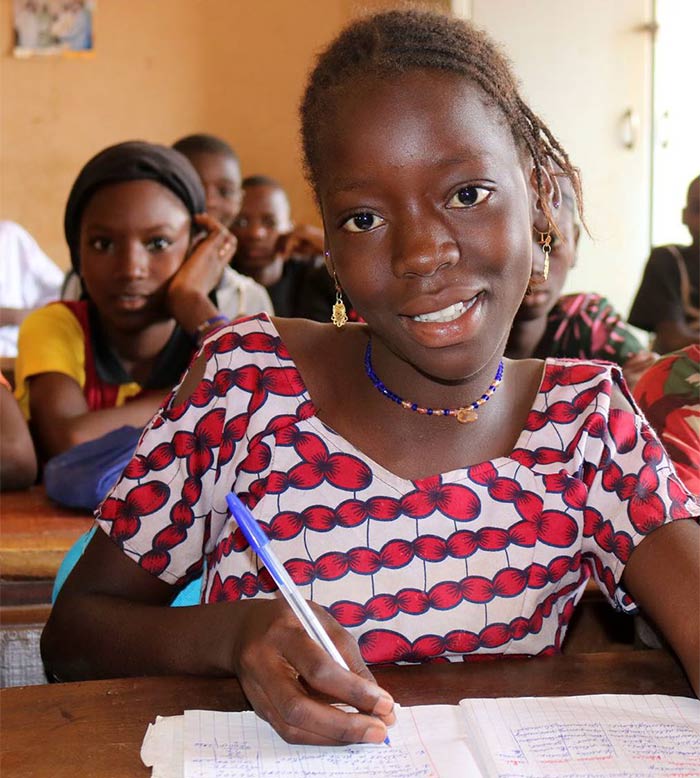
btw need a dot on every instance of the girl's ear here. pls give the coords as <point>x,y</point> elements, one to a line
<point>545,198</point>
<point>327,261</point>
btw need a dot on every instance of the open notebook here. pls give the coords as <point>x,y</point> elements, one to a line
<point>618,736</point>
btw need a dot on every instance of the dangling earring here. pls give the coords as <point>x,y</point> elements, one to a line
<point>339,317</point>
<point>545,243</point>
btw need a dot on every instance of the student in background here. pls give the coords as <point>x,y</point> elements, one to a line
<point>582,325</point>
<point>216,163</point>
<point>28,280</point>
<point>433,500</point>
<point>18,467</point>
<point>668,298</point>
<point>219,169</point>
<point>669,394</point>
<point>148,258</point>
<point>285,258</point>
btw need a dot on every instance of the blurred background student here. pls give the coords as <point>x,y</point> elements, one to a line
<point>287,259</point>
<point>216,163</point>
<point>583,325</point>
<point>667,301</point>
<point>28,280</point>
<point>147,258</point>
<point>219,170</point>
<point>18,466</point>
<point>669,394</point>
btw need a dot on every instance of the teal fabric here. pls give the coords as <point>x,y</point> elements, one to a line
<point>187,596</point>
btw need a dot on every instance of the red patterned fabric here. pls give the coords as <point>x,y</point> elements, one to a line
<point>487,559</point>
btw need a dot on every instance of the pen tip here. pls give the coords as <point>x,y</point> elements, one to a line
<point>387,742</point>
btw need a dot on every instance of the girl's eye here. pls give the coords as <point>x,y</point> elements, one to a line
<point>101,244</point>
<point>158,244</point>
<point>362,222</point>
<point>468,196</point>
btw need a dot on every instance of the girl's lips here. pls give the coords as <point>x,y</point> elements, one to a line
<point>456,329</point>
<point>131,302</point>
<point>447,314</point>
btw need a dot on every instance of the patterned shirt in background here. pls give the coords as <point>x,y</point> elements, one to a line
<point>669,394</point>
<point>586,326</point>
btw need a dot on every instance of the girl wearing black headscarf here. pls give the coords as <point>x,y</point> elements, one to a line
<point>148,257</point>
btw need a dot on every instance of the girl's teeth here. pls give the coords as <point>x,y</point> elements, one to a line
<point>450,313</point>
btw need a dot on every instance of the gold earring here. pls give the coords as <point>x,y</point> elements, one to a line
<point>339,316</point>
<point>545,243</point>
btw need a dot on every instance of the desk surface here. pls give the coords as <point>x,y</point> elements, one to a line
<point>35,533</point>
<point>60,729</point>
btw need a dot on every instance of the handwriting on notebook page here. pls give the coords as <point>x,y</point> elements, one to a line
<point>625,736</point>
<point>602,735</point>
<point>225,745</point>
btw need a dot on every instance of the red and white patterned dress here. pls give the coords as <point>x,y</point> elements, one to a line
<point>486,559</point>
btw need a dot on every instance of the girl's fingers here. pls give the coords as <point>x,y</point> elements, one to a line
<point>299,718</point>
<point>219,238</point>
<point>281,668</point>
<point>354,687</point>
<point>209,222</point>
<point>221,242</point>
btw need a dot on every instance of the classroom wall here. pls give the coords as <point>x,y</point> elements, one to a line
<point>161,69</point>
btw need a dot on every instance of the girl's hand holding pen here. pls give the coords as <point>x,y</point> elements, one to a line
<point>277,664</point>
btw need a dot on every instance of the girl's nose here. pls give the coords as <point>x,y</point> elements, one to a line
<point>134,260</point>
<point>424,250</point>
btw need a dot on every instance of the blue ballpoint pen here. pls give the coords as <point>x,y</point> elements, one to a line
<point>260,543</point>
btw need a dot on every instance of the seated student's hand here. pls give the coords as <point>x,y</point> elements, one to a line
<point>277,664</point>
<point>636,365</point>
<point>304,241</point>
<point>207,259</point>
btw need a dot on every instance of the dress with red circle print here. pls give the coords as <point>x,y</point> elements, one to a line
<point>486,559</point>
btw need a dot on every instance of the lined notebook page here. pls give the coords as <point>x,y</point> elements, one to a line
<point>624,736</point>
<point>615,736</point>
<point>241,745</point>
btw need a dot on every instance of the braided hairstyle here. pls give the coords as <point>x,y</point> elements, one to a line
<point>398,41</point>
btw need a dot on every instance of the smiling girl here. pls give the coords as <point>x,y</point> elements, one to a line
<point>137,234</point>
<point>433,500</point>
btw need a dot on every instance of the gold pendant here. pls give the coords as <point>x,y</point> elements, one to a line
<point>465,415</point>
<point>339,316</point>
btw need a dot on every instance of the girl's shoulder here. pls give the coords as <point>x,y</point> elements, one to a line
<point>261,334</point>
<point>58,319</point>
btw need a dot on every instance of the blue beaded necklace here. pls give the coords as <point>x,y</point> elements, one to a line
<point>463,415</point>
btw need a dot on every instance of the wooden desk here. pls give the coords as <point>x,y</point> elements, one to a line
<point>97,727</point>
<point>35,533</point>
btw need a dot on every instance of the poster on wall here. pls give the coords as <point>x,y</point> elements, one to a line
<point>60,28</point>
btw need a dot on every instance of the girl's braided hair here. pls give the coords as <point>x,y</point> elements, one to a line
<point>402,40</point>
